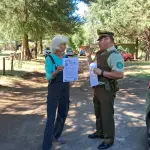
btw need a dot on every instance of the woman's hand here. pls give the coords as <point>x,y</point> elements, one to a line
<point>59,69</point>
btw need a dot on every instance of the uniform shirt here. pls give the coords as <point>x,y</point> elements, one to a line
<point>115,61</point>
<point>50,67</point>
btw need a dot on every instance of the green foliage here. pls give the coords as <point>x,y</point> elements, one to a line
<point>78,39</point>
<point>127,47</point>
<point>128,19</point>
<point>125,18</point>
<point>36,18</point>
<point>71,43</point>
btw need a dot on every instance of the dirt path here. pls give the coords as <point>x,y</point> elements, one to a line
<point>23,109</point>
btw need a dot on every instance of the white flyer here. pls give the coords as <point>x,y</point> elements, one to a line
<point>93,76</point>
<point>71,67</point>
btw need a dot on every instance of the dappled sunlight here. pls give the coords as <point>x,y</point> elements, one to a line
<point>133,94</point>
<point>137,67</point>
<point>86,73</point>
<point>90,130</point>
<point>118,109</point>
<point>91,117</point>
<point>133,99</point>
<point>121,98</point>
<point>137,72</point>
<point>73,128</point>
<point>145,67</point>
<point>73,113</point>
<point>90,98</point>
<point>132,114</point>
<point>77,84</point>
<point>16,100</point>
<point>128,111</point>
<point>137,124</point>
<point>23,108</point>
<point>28,97</point>
<point>128,103</point>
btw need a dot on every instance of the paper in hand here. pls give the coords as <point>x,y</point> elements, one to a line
<point>93,76</point>
<point>71,67</point>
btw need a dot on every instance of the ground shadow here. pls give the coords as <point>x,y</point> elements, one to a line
<point>13,73</point>
<point>129,115</point>
<point>21,132</point>
<point>23,74</point>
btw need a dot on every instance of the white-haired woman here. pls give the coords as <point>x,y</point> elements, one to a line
<point>58,93</point>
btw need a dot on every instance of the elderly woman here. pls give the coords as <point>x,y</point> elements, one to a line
<point>58,93</point>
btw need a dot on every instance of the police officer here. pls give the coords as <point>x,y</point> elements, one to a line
<point>110,68</point>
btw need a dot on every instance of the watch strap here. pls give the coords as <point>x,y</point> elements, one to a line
<point>102,73</point>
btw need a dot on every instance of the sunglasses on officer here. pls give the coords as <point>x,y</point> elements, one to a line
<point>102,37</point>
<point>106,36</point>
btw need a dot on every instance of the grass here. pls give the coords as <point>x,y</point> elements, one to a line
<point>139,69</point>
<point>20,68</point>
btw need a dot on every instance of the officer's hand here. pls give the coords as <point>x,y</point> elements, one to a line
<point>97,71</point>
<point>59,69</point>
<point>88,53</point>
<point>149,85</point>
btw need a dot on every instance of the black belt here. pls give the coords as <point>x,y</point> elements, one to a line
<point>98,86</point>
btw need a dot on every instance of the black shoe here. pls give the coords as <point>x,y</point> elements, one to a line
<point>95,136</point>
<point>104,146</point>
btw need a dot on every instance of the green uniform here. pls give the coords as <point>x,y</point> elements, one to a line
<point>148,114</point>
<point>104,94</point>
<point>115,61</point>
<point>147,105</point>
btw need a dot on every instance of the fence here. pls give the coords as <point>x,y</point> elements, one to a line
<point>7,63</point>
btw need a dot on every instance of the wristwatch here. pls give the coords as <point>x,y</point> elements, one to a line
<point>102,72</point>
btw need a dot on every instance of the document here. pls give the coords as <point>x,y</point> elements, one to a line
<point>71,67</point>
<point>93,77</point>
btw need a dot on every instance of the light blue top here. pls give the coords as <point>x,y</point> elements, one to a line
<point>50,67</point>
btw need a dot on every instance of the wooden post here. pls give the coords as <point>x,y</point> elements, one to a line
<point>4,66</point>
<point>12,63</point>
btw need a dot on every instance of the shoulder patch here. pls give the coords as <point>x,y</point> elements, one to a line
<point>120,65</point>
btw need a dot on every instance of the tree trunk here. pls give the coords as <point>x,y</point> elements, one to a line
<point>137,45</point>
<point>148,49</point>
<point>36,45</point>
<point>16,45</point>
<point>147,57</point>
<point>22,50</point>
<point>41,46</point>
<point>26,51</point>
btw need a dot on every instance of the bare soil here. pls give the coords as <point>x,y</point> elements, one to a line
<point>23,114</point>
